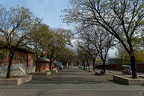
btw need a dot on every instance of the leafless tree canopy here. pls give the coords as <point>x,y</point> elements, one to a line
<point>123,19</point>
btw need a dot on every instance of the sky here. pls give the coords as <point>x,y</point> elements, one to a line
<point>48,10</point>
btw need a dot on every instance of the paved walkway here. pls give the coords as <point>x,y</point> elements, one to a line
<point>72,82</point>
<point>73,76</point>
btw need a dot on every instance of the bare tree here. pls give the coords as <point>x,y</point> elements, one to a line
<point>102,41</point>
<point>84,56</point>
<point>86,45</point>
<point>121,18</point>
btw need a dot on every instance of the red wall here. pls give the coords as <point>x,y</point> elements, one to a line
<point>19,57</point>
<point>140,67</point>
<point>44,66</point>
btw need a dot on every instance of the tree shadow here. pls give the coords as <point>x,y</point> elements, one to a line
<point>65,80</point>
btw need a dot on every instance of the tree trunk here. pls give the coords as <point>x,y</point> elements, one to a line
<point>88,66</point>
<point>37,63</point>
<point>10,63</point>
<point>84,65</point>
<point>133,65</point>
<point>36,70</point>
<point>104,66</point>
<point>39,66</point>
<point>50,64</point>
<point>51,59</point>
<point>94,64</point>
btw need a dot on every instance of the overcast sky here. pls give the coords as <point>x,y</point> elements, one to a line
<point>48,10</point>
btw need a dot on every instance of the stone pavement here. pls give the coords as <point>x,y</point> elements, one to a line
<point>72,82</point>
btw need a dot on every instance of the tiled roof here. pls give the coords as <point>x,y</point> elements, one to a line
<point>4,45</point>
<point>43,60</point>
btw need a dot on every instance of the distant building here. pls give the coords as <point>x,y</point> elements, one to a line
<point>44,64</point>
<point>115,61</point>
